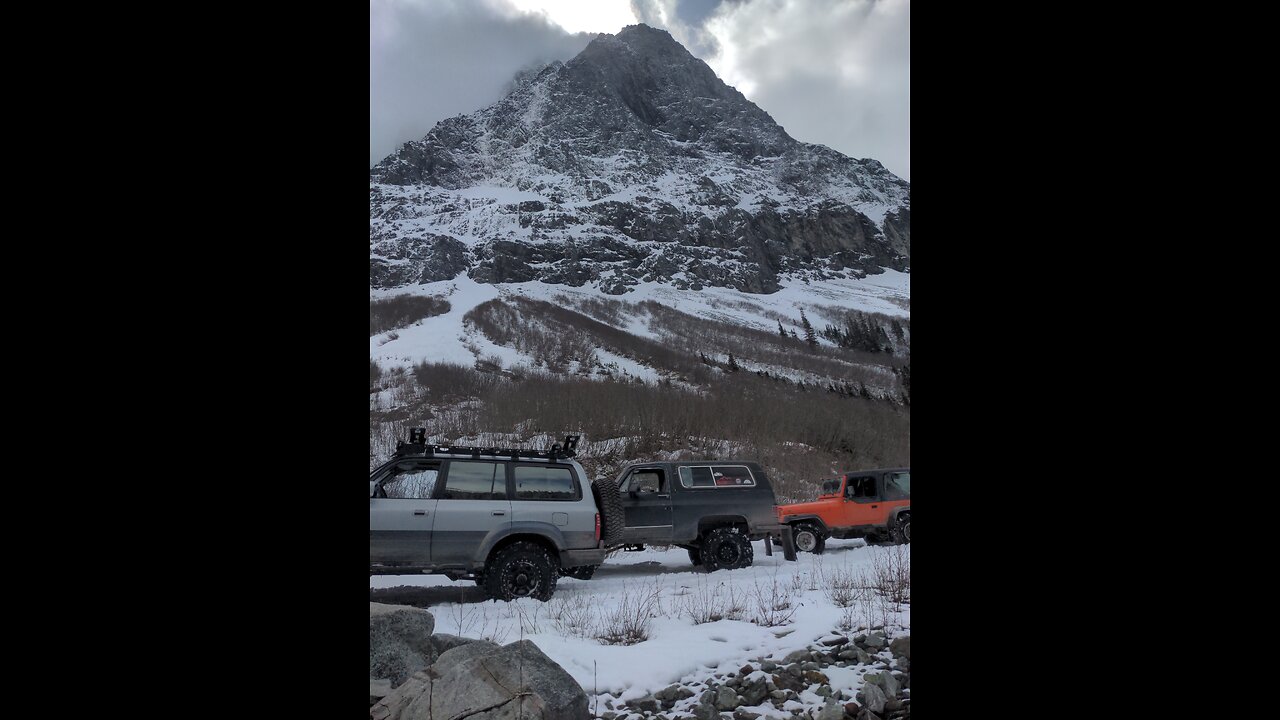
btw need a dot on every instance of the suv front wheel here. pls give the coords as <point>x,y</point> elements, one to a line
<point>521,569</point>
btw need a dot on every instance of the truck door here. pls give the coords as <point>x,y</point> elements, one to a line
<point>646,502</point>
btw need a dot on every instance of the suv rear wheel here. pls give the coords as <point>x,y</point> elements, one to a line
<point>726,548</point>
<point>808,538</point>
<point>521,569</point>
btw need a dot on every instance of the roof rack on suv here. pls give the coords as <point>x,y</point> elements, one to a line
<point>417,445</point>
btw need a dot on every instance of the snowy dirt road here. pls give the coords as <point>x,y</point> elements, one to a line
<point>685,625</point>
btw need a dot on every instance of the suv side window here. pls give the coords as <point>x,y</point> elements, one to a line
<point>540,482</point>
<point>468,480</point>
<point>861,489</point>
<point>409,480</point>
<point>700,476</point>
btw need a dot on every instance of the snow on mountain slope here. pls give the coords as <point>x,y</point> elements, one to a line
<point>446,338</point>
<point>630,164</point>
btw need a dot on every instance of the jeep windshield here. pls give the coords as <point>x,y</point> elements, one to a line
<point>831,487</point>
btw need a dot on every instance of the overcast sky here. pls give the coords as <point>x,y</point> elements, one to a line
<point>834,72</point>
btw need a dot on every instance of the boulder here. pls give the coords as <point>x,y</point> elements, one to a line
<point>755,691</point>
<point>726,699</point>
<point>378,689</point>
<point>875,640</point>
<point>901,647</point>
<point>887,682</point>
<point>796,656</point>
<point>873,697</point>
<point>832,710</point>
<point>744,714</point>
<point>648,703</point>
<point>483,681</point>
<point>399,641</point>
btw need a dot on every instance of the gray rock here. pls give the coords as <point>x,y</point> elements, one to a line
<point>831,710</point>
<point>768,666</point>
<point>648,703</point>
<point>796,656</point>
<point>873,697</point>
<point>674,692</point>
<point>755,691</point>
<point>378,689</point>
<point>744,714</point>
<point>888,683</point>
<point>727,699</point>
<point>704,711</point>
<point>823,691</point>
<point>809,666</point>
<point>875,640</point>
<point>904,664</point>
<point>503,683</point>
<point>399,641</point>
<point>901,647</point>
<point>867,715</point>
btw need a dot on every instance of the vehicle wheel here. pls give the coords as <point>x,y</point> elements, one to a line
<point>612,517</point>
<point>808,538</point>
<point>582,572</point>
<point>521,569</point>
<point>726,549</point>
<point>480,579</point>
<point>902,529</point>
<point>695,557</point>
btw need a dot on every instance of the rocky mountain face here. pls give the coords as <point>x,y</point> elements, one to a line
<point>630,163</point>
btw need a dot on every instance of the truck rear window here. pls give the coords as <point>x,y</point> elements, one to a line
<point>700,476</point>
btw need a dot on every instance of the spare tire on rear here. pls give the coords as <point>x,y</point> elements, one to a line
<point>609,503</point>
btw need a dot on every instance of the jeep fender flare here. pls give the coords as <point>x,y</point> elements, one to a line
<point>550,534</point>
<point>893,519</point>
<point>814,519</point>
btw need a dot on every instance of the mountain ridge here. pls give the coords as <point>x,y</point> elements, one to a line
<point>631,162</point>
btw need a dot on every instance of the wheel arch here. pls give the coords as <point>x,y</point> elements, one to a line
<point>793,520</point>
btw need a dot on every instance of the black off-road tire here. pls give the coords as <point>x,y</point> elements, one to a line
<point>582,572</point>
<point>521,569</point>
<point>695,556</point>
<point>612,516</point>
<point>808,538</point>
<point>902,529</point>
<point>726,548</point>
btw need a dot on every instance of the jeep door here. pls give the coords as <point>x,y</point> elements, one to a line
<point>863,504</point>
<point>473,503</point>
<point>401,510</point>
<point>646,504</point>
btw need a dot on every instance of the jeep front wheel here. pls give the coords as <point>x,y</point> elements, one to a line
<point>726,549</point>
<point>902,529</point>
<point>521,569</point>
<point>808,538</point>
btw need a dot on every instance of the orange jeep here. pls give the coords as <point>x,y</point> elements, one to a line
<point>871,504</point>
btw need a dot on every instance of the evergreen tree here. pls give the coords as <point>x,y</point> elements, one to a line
<point>733,364</point>
<point>781,332</point>
<point>809,335</point>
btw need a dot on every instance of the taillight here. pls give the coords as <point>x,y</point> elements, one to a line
<point>597,527</point>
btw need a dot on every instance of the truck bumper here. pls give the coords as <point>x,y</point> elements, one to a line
<point>578,558</point>
<point>782,535</point>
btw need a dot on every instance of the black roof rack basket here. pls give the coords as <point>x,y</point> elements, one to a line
<point>417,446</point>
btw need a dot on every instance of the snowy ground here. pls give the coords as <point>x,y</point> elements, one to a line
<point>444,338</point>
<point>669,591</point>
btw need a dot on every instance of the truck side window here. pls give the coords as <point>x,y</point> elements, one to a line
<point>650,479</point>
<point>545,483</point>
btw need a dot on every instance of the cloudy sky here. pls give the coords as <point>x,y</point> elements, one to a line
<point>834,72</point>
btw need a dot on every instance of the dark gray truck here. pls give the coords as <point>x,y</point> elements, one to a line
<point>713,509</point>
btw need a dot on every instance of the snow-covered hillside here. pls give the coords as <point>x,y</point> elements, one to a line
<point>784,607</point>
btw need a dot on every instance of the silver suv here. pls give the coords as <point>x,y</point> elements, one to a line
<point>513,520</point>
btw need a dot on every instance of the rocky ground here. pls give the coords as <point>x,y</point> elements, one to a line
<point>415,674</point>
<point>774,688</point>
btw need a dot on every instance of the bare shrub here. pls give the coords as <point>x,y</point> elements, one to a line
<point>891,574</point>
<point>571,616</point>
<point>403,310</point>
<point>773,603</point>
<point>842,587</point>
<point>711,602</point>
<point>628,622</point>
